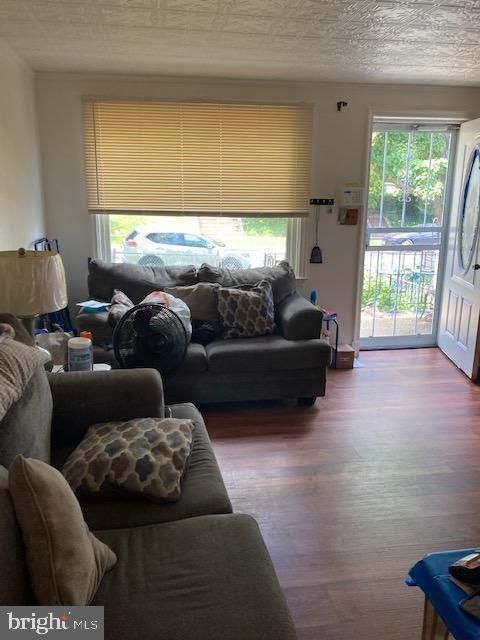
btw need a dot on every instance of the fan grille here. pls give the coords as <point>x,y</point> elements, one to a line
<point>152,336</point>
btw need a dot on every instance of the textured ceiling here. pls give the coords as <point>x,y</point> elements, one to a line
<point>430,41</point>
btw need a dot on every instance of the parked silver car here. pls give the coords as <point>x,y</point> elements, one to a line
<point>148,245</point>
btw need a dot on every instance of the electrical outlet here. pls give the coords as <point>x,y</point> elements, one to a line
<point>329,202</point>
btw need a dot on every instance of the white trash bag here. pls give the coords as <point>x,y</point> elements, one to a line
<point>175,304</point>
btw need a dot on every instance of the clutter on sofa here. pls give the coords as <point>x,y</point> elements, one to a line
<point>189,568</point>
<point>121,303</point>
<point>151,335</point>
<point>290,363</point>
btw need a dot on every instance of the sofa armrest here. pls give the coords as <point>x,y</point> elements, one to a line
<point>84,398</point>
<point>298,319</point>
<point>98,324</point>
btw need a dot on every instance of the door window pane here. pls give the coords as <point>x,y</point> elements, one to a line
<point>398,296</point>
<point>470,209</point>
<point>408,171</point>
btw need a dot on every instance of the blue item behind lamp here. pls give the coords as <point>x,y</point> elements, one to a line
<point>313,296</point>
<point>95,309</point>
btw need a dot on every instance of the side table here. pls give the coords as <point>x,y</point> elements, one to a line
<point>331,316</point>
<point>442,616</point>
<point>58,368</point>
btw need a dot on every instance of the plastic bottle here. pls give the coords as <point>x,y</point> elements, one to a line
<point>88,334</point>
<point>80,354</point>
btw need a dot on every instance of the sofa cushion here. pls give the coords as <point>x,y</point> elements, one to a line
<point>144,456</point>
<point>98,324</point>
<point>134,280</point>
<point>267,353</point>
<point>207,578</point>
<point>66,562</point>
<point>201,300</point>
<point>281,277</point>
<point>203,491</point>
<point>195,359</point>
<point>15,583</point>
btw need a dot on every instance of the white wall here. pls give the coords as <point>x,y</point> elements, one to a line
<point>340,148</point>
<point>21,206</point>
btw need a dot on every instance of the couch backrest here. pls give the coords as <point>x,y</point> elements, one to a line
<point>135,280</point>
<point>26,426</point>
<point>138,281</point>
<point>14,581</point>
<point>281,276</point>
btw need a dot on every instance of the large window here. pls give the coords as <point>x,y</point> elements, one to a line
<point>234,243</point>
<point>198,182</point>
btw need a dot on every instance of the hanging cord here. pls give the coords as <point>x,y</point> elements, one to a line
<point>316,225</point>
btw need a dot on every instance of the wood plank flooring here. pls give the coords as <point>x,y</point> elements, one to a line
<point>350,493</point>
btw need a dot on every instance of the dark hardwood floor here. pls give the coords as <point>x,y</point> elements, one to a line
<point>350,493</point>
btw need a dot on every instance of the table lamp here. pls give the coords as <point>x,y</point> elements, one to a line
<point>31,283</point>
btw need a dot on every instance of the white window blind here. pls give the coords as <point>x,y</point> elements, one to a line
<point>197,158</point>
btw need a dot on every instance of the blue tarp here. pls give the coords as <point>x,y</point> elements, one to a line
<point>431,575</point>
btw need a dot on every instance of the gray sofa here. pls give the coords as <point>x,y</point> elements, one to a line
<point>290,364</point>
<point>190,570</point>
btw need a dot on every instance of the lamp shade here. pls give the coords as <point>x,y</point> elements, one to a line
<point>31,282</point>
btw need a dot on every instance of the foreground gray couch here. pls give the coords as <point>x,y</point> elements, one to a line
<point>290,364</point>
<point>190,570</point>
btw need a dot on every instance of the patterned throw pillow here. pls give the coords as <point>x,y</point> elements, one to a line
<point>145,456</point>
<point>247,311</point>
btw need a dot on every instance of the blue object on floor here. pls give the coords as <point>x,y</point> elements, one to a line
<point>431,575</point>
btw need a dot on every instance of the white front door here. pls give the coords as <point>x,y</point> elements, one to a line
<point>459,320</point>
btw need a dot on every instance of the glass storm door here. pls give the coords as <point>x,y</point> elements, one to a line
<point>406,220</point>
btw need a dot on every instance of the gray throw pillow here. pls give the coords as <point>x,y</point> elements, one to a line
<point>281,277</point>
<point>247,311</point>
<point>66,562</point>
<point>201,300</point>
<point>15,585</point>
<point>144,456</point>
